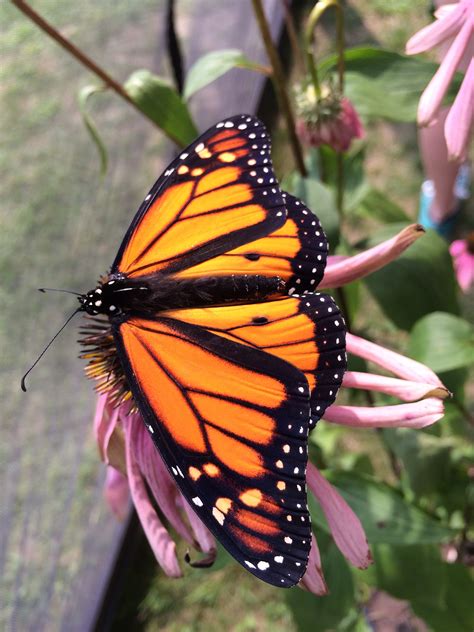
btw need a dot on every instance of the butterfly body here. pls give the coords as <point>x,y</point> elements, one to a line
<point>118,295</point>
<point>230,354</point>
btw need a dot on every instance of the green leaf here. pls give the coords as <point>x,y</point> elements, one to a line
<point>330,610</point>
<point>160,102</point>
<point>213,65</point>
<point>355,183</point>
<point>439,593</point>
<point>385,515</point>
<point>425,459</point>
<point>384,84</point>
<point>84,94</point>
<point>420,281</point>
<point>442,341</point>
<point>320,200</point>
<point>376,205</point>
<point>415,573</point>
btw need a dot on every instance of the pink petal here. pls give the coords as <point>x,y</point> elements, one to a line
<point>415,415</point>
<point>346,528</point>
<point>332,259</point>
<point>458,125</point>
<point>458,247</point>
<point>432,97</point>
<point>204,537</point>
<point>435,33</point>
<point>396,363</point>
<point>117,493</point>
<point>160,541</point>
<point>444,10</point>
<point>351,268</point>
<point>105,421</point>
<point>313,579</point>
<point>405,390</point>
<point>464,265</point>
<point>162,486</point>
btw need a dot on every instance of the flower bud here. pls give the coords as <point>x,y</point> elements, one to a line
<point>329,119</point>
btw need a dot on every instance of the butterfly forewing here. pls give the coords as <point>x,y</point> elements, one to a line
<point>218,194</point>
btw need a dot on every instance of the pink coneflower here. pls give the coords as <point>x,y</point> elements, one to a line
<point>126,446</point>
<point>454,23</point>
<point>462,252</point>
<point>330,119</point>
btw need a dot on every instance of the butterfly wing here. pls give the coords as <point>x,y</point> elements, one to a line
<point>296,252</point>
<point>231,423</point>
<point>307,331</point>
<point>218,194</point>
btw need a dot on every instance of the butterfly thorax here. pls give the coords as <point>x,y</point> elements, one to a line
<point>119,294</point>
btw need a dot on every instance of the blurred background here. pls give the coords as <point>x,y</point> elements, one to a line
<point>61,224</point>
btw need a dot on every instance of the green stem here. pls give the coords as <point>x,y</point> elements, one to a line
<point>81,57</point>
<point>313,19</point>
<point>340,185</point>
<point>279,82</point>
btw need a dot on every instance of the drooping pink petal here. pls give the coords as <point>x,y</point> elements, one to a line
<point>203,536</point>
<point>432,97</point>
<point>435,33</point>
<point>162,486</point>
<point>105,421</point>
<point>445,9</point>
<point>339,273</point>
<point>395,362</point>
<point>458,247</point>
<point>313,580</point>
<point>345,526</point>
<point>460,120</point>
<point>405,390</point>
<point>464,265</point>
<point>117,492</point>
<point>414,415</point>
<point>160,541</point>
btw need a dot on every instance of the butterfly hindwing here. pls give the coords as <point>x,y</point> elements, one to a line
<point>218,194</point>
<point>231,423</point>
<point>307,331</point>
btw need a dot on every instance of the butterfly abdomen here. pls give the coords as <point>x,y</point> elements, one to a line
<point>168,292</point>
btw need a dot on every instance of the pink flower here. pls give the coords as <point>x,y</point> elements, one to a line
<point>341,270</point>
<point>126,445</point>
<point>338,132</point>
<point>328,119</point>
<point>137,467</point>
<point>462,252</point>
<point>456,23</point>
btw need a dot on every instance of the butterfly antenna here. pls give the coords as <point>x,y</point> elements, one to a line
<point>53,289</point>
<point>23,387</point>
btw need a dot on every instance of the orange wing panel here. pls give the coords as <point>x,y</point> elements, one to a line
<point>219,194</point>
<point>231,423</point>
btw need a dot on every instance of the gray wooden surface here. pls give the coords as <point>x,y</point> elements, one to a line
<point>61,225</point>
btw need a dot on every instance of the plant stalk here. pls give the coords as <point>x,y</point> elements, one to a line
<point>293,36</point>
<point>313,19</point>
<point>279,82</point>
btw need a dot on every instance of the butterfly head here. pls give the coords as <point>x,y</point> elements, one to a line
<point>93,302</point>
<point>113,296</point>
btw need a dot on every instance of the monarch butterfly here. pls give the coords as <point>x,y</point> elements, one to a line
<point>229,354</point>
